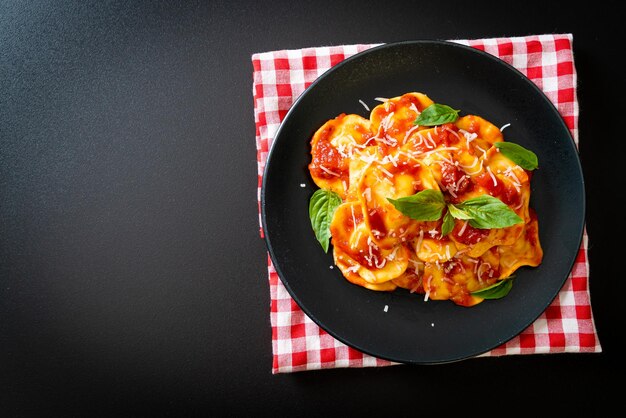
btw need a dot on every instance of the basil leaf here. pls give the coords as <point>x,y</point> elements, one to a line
<point>322,207</point>
<point>518,154</point>
<point>458,213</point>
<point>436,114</point>
<point>448,224</point>
<point>497,290</point>
<point>489,212</point>
<point>426,205</point>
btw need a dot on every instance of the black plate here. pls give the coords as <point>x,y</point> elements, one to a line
<point>414,331</point>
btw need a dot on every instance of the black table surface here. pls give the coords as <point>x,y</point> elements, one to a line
<point>132,275</point>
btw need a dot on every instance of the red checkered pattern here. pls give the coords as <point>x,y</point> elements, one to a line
<point>298,343</point>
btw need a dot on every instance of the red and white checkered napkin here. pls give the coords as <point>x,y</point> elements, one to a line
<point>298,343</point>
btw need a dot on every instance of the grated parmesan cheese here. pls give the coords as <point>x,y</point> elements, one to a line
<point>432,141</point>
<point>462,231</point>
<point>353,269</point>
<point>495,182</point>
<point>427,288</point>
<point>385,171</point>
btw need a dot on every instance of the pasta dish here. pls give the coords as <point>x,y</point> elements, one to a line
<point>421,198</point>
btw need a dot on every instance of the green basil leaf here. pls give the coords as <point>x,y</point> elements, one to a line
<point>448,224</point>
<point>436,114</point>
<point>322,207</point>
<point>426,205</point>
<point>458,213</point>
<point>497,290</point>
<point>489,212</point>
<point>518,154</point>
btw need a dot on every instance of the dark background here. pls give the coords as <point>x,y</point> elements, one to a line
<point>132,276</point>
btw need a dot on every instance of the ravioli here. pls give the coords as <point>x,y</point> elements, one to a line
<point>375,245</point>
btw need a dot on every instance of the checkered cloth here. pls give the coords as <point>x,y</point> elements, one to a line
<point>298,344</point>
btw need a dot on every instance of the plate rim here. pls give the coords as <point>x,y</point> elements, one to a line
<point>446,43</point>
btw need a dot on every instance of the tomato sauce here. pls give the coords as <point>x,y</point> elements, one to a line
<point>405,165</point>
<point>454,180</point>
<point>453,267</point>
<point>443,135</point>
<point>507,193</point>
<point>488,273</point>
<point>470,234</point>
<point>327,156</point>
<point>532,234</point>
<point>510,196</point>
